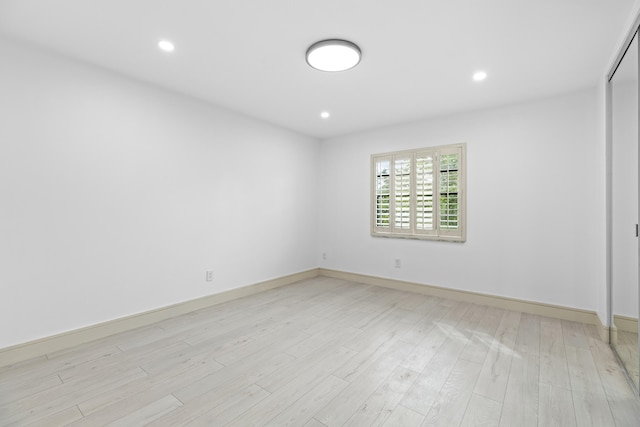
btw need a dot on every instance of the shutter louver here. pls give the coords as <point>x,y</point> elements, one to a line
<point>420,193</point>
<point>449,177</point>
<point>424,192</point>
<point>402,194</point>
<point>382,193</point>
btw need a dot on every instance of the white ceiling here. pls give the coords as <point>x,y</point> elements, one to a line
<point>418,55</point>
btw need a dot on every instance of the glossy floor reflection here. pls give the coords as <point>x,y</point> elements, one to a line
<point>627,348</point>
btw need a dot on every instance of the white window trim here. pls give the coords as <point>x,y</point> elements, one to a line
<point>459,235</point>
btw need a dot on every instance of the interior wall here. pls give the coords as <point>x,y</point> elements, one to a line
<point>535,204</point>
<point>117,196</point>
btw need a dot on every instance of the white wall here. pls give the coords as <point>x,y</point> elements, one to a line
<point>115,197</point>
<point>535,204</point>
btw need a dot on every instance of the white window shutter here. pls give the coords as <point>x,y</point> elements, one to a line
<point>402,177</point>
<point>425,193</point>
<point>420,193</point>
<point>451,187</point>
<point>382,194</point>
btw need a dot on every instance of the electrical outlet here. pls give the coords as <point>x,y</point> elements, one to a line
<point>209,276</point>
<point>324,255</point>
<point>398,264</point>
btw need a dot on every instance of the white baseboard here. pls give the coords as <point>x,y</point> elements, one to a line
<point>40,347</point>
<point>625,323</point>
<point>613,335</point>
<point>559,312</point>
<point>604,331</point>
<point>28,350</point>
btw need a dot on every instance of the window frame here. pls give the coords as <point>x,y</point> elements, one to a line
<point>414,231</point>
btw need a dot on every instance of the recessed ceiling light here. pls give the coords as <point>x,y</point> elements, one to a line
<point>333,55</point>
<point>325,114</point>
<point>479,76</point>
<point>166,45</point>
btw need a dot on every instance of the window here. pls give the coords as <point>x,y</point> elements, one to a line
<point>420,193</point>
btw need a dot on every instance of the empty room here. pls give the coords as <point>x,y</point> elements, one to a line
<point>339,213</point>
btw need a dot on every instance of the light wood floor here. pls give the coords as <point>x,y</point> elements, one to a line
<point>627,348</point>
<point>326,352</point>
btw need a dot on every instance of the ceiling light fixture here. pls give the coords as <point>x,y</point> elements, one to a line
<point>166,45</point>
<point>479,76</point>
<point>333,55</point>
<point>325,114</point>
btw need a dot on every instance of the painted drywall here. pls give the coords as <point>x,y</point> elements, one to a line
<point>116,197</point>
<point>535,197</point>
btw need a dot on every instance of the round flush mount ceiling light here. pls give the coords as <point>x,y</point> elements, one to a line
<point>333,55</point>
<point>166,45</point>
<point>479,76</point>
<point>325,115</point>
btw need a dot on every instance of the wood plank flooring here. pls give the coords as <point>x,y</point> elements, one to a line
<point>627,348</point>
<point>326,352</point>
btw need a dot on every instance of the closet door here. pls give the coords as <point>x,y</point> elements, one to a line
<point>625,264</point>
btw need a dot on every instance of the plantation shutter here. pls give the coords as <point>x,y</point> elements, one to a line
<point>425,186</point>
<point>450,181</point>
<point>420,193</point>
<point>402,193</point>
<point>382,194</point>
